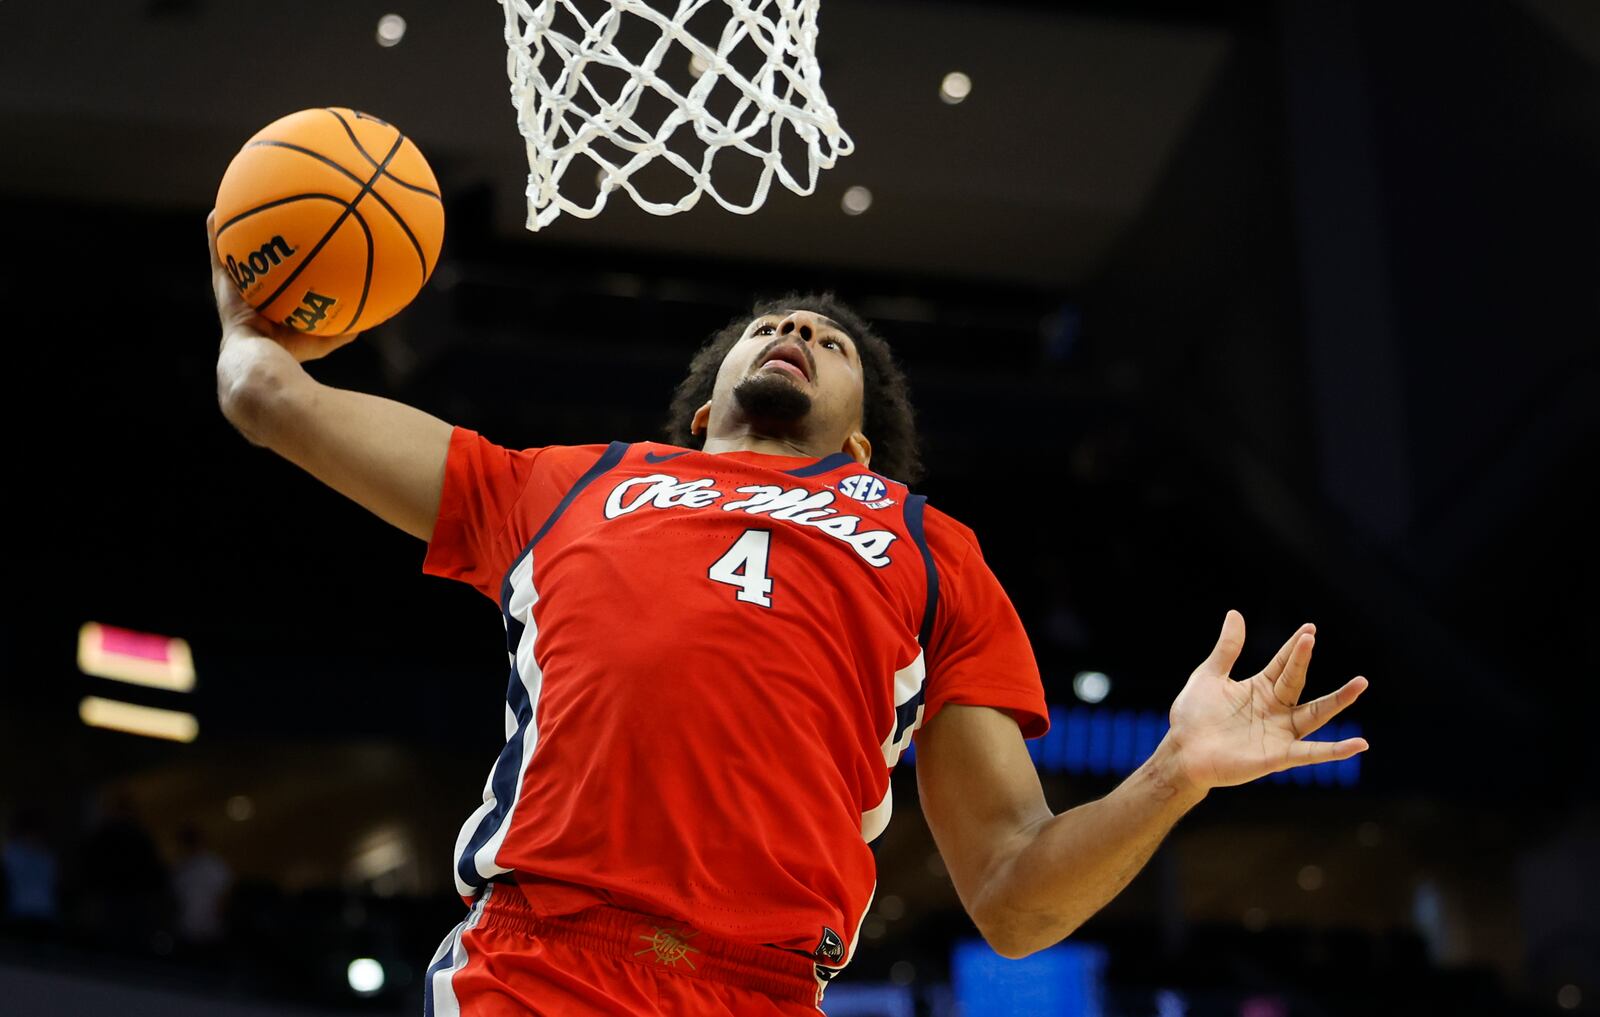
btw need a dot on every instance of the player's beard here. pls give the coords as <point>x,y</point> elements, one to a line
<point>769,399</point>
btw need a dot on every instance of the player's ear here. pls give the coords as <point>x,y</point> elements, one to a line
<point>859,448</point>
<point>701,420</point>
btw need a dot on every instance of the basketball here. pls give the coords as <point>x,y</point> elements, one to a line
<point>329,221</point>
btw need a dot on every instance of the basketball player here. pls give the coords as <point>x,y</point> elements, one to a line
<point>719,648</point>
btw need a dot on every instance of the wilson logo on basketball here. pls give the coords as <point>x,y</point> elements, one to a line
<point>258,263</point>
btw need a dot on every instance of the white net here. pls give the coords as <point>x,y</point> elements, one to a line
<point>664,115</point>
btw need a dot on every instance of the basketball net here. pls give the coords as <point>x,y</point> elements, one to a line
<point>563,115</point>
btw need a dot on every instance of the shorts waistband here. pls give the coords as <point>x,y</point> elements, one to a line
<point>657,942</point>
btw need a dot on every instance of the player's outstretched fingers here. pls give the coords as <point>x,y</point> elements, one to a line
<point>1308,717</point>
<point>1229,645</point>
<point>1291,681</point>
<point>1281,658</point>
<point>1309,753</point>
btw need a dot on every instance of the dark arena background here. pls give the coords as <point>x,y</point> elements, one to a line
<point>1285,307</point>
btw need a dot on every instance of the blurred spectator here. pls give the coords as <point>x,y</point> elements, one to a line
<point>201,881</point>
<point>30,874</point>
<point>126,895</point>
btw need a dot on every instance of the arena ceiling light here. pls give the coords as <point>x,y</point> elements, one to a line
<point>856,200</point>
<point>365,976</point>
<point>955,87</point>
<point>139,658</point>
<point>391,29</point>
<point>146,721</point>
<point>1091,686</point>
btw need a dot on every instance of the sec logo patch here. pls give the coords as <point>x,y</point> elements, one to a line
<point>864,487</point>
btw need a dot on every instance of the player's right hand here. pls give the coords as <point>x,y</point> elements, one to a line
<point>238,318</point>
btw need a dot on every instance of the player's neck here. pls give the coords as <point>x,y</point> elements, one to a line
<point>774,446</point>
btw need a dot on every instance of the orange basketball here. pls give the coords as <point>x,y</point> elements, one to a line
<point>329,221</point>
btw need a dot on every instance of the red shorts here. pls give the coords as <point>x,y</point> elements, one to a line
<point>505,961</point>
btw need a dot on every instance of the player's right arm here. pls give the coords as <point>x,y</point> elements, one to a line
<point>384,455</point>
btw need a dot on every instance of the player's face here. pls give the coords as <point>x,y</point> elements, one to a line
<point>794,370</point>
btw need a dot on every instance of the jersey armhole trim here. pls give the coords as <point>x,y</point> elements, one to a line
<point>908,715</point>
<point>826,464</point>
<point>608,460</point>
<point>914,515</point>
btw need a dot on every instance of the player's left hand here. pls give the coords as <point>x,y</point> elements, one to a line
<point>1229,732</point>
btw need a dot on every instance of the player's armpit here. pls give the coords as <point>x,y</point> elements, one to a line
<point>982,800</point>
<point>384,455</point>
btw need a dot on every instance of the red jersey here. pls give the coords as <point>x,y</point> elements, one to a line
<point>716,661</point>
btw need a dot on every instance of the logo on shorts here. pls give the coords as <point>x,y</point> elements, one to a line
<point>864,487</point>
<point>830,948</point>
<point>669,945</point>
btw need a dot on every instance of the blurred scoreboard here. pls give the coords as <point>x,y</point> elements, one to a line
<point>1093,740</point>
<point>1063,981</point>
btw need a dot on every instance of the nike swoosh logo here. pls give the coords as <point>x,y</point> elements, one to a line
<point>651,457</point>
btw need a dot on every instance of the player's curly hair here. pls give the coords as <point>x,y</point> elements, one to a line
<point>888,420</point>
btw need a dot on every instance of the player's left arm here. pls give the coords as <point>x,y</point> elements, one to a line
<point>1029,877</point>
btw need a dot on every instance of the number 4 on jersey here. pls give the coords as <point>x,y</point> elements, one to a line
<point>745,566</point>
